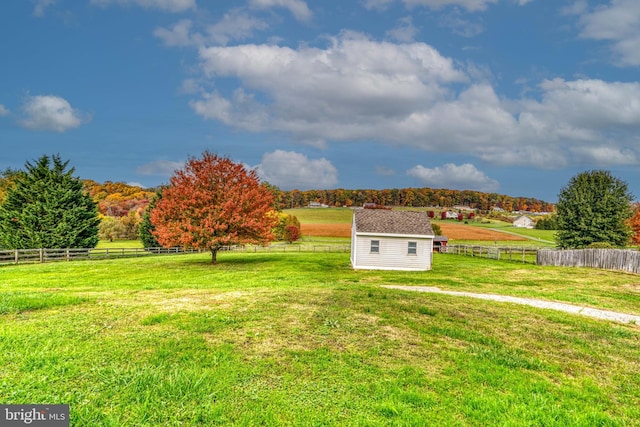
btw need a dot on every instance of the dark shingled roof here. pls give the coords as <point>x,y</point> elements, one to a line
<point>392,222</point>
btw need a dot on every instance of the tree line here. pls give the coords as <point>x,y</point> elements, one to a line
<point>214,202</point>
<point>411,197</point>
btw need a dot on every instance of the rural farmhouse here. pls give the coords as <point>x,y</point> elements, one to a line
<point>391,240</point>
<point>523,221</point>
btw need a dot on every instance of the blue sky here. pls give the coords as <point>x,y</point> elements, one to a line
<point>507,96</point>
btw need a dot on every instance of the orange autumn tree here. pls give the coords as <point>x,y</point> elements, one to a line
<point>211,203</point>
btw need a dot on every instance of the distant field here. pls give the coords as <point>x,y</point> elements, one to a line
<point>322,215</point>
<point>336,222</point>
<point>326,230</point>
<point>457,231</point>
<point>120,244</point>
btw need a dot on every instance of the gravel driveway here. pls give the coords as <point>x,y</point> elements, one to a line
<point>569,308</point>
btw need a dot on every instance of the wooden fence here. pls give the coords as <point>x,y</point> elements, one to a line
<point>520,254</point>
<point>20,256</point>
<point>608,259</point>
<point>23,256</point>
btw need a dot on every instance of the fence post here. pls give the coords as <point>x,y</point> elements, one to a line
<point>17,256</point>
<point>41,253</point>
<point>68,258</point>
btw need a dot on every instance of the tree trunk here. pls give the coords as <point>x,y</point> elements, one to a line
<point>214,255</point>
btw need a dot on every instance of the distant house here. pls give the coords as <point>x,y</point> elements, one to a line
<point>317,205</point>
<point>523,221</point>
<point>452,215</point>
<point>391,240</point>
<point>440,243</point>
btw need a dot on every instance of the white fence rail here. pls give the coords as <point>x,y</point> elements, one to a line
<point>20,256</point>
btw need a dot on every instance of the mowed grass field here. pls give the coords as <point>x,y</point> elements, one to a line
<point>302,339</point>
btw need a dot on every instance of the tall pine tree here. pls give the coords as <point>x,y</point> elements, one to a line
<point>146,228</point>
<point>47,207</point>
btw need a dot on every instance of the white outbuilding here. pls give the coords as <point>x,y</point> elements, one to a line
<point>524,221</point>
<point>391,240</point>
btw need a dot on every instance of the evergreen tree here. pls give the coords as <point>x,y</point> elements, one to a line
<point>47,207</point>
<point>146,228</point>
<point>593,208</point>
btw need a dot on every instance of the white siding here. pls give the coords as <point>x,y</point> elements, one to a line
<point>393,253</point>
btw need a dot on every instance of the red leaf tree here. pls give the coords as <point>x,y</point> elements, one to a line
<point>211,203</point>
<point>291,233</point>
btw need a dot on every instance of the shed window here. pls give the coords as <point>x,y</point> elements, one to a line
<point>413,248</point>
<point>375,246</point>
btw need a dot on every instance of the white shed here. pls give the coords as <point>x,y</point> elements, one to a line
<point>391,240</point>
<point>523,221</point>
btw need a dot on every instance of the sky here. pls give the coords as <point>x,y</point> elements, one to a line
<point>506,96</point>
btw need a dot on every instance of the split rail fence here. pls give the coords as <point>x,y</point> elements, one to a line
<point>21,256</point>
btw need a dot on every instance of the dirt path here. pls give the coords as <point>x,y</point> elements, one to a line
<point>568,308</point>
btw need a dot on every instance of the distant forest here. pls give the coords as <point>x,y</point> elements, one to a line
<point>118,199</point>
<point>412,197</point>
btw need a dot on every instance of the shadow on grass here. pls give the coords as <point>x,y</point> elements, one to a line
<point>17,302</point>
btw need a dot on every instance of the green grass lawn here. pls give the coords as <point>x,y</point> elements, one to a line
<point>119,244</point>
<point>301,339</point>
<point>322,215</point>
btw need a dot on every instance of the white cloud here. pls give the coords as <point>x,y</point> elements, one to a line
<point>578,7</point>
<point>178,35</point>
<point>384,171</point>
<point>135,184</point>
<point>298,8</point>
<point>469,5</point>
<point>190,87</point>
<point>405,31</point>
<point>357,89</point>
<point>165,5</point>
<point>377,4</point>
<point>159,167</point>
<point>41,5</point>
<point>459,25</point>
<point>4,111</point>
<point>609,155</point>
<point>619,23</point>
<point>462,177</point>
<point>235,25</point>
<point>331,93</point>
<point>50,113</point>
<point>289,170</point>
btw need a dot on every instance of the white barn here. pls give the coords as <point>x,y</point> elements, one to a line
<point>391,240</point>
<point>524,221</point>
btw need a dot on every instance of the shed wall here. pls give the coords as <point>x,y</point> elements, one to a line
<point>393,254</point>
